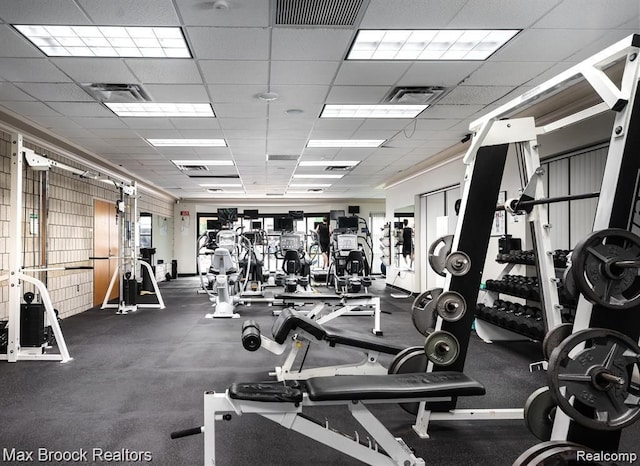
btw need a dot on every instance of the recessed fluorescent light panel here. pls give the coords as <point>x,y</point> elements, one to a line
<point>188,142</point>
<point>107,41</point>
<point>160,109</point>
<point>372,111</point>
<point>328,163</point>
<point>345,142</point>
<point>430,44</point>
<point>190,163</point>
<point>335,177</point>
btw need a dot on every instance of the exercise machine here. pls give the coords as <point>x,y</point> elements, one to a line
<point>350,267</point>
<point>295,267</point>
<point>223,275</point>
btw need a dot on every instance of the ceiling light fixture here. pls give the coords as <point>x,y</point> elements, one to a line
<point>294,111</point>
<point>345,142</point>
<point>188,142</point>
<point>371,111</point>
<point>163,109</point>
<point>328,163</point>
<point>324,176</point>
<point>428,44</point>
<point>268,96</point>
<point>107,41</point>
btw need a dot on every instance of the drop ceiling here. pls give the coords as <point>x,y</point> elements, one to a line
<point>240,50</point>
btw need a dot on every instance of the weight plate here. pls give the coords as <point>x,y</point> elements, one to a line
<point>410,360</point>
<point>423,311</point>
<point>539,412</point>
<point>458,263</point>
<point>569,283</point>
<point>442,348</point>
<point>451,306</point>
<point>553,453</point>
<point>589,378</point>
<point>438,252</point>
<point>554,337</point>
<point>595,272</point>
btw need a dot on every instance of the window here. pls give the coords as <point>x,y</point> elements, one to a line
<point>145,228</point>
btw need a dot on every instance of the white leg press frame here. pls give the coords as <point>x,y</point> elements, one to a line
<point>284,405</point>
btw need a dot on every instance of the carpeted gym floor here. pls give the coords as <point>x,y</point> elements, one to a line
<point>136,378</point>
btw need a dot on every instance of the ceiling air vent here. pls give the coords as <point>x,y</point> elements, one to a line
<point>338,168</point>
<point>315,190</point>
<point>214,190</point>
<point>192,168</point>
<point>282,157</point>
<point>111,92</point>
<point>415,95</point>
<point>324,13</point>
<point>195,174</point>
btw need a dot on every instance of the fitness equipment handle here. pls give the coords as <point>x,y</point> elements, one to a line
<point>187,432</point>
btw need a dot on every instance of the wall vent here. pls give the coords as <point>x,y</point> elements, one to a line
<point>282,158</point>
<point>415,95</point>
<point>112,92</point>
<point>323,13</point>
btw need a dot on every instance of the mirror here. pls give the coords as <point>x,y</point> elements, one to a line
<point>404,237</point>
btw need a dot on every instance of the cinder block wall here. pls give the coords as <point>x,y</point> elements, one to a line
<point>69,228</point>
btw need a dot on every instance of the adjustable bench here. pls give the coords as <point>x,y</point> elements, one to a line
<point>347,304</point>
<point>283,404</point>
<point>293,329</point>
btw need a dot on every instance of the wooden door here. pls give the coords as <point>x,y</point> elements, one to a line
<point>105,244</point>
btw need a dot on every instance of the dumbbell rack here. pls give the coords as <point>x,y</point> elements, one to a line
<point>516,320</point>
<point>385,244</point>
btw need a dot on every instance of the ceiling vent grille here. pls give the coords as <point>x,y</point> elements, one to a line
<point>214,190</point>
<point>317,12</point>
<point>275,194</point>
<point>193,168</point>
<point>415,95</point>
<point>213,177</point>
<point>315,190</point>
<point>282,158</point>
<point>111,92</point>
<point>338,168</point>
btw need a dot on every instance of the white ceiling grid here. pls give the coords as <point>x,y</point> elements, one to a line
<point>238,54</point>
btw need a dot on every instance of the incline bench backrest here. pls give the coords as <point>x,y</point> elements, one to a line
<point>290,320</point>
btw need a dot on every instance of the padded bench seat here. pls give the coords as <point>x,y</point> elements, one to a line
<point>362,387</point>
<point>308,296</point>
<point>361,341</point>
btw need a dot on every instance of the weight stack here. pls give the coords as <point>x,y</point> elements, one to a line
<point>31,325</point>
<point>130,291</point>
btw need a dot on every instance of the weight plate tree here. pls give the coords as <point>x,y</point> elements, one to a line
<point>605,268</point>
<point>590,378</point>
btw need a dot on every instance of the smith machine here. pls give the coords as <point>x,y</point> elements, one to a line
<point>594,382</point>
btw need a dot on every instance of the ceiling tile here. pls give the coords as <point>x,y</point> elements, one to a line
<point>64,92</point>
<point>241,13</point>
<point>42,12</point>
<point>235,71</point>
<point>590,14</point>
<point>117,133</point>
<point>491,14</point>
<point>111,121</point>
<point>15,45</point>
<point>371,73</point>
<point>191,133</point>
<point>438,73</point>
<point>410,14</point>
<point>229,93</point>
<point>131,13</point>
<point>148,123</point>
<point>229,43</point>
<point>450,111</point>
<point>310,44</point>
<point>152,70</point>
<point>10,92</point>
<point>507,73</point>
<point>357,94</point>
<point>177,92</point>
<point>103,70</point>
<point>309,110</point>
<point>483,95</point>
<point>81,109</point>
<point>253,109</point>
<point>296,96</point>
<point>30,108</point>
<point>303,72</point>
<point>33,70</point>
<point>243,123</point>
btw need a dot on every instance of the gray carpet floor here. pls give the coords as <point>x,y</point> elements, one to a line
<point>136,378</point>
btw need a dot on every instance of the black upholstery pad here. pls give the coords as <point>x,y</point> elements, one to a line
<point>266,391</point>
<point>308,297</point>
<point>358,296</point>
<point>289,320</point>
<point>362,341</point>
<point>401,386</point>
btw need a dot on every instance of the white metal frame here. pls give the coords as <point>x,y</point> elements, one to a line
<point>16,274</point>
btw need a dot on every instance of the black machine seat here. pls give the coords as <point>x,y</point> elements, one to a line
<point>362,387</point>
<point>290,320</point>
<point>266,391</point>
<point>361,341</point>
<point>393,386</point>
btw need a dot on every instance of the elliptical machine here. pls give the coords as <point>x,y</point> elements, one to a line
<point>350,266</point>
<point>223,275</point>
<point>295,267</point>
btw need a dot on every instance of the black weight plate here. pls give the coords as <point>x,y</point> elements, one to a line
<point>414,360</point>
<point>398,358</point>
<point>550,453</point>
<point>597,279</point>
<point>442,348</point>
<point>554,337</point>
<point>423,311</point>
<point>438,260</point>
<point>539,411</point>
<point>587,399</point>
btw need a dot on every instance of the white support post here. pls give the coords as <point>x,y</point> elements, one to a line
<point>15,246</point>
